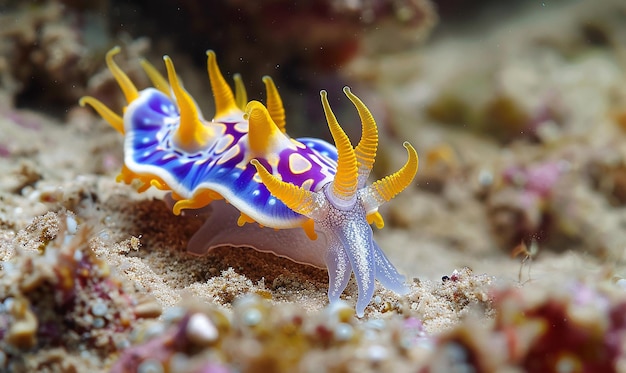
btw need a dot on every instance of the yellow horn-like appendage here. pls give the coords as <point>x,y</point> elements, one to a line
<point>390,186</point>
<point>222,94</point>
<point>107,114</point>
<point>127,86</point>
<point>191,134</point>
<point>345,183</point>
<point>296,198</point>
<point>365,151</point>
<point>261,127</point>
<point>158,81</point>
<point>274,103</point>
<point>241,96</point>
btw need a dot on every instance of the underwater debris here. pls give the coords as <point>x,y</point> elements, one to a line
<point>43,51</point>
<point>260,337</point>
<point>61,294</point>
<point>578,327</point>
<point>520,205</point>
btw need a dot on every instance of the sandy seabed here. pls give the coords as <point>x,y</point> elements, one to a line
<point>95,276</point>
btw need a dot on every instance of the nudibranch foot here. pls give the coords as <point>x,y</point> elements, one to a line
<point>312,195</point>
<point>221,229</point>
<point>387,274</point>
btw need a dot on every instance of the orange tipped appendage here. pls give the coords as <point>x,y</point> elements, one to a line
<point>309,229</point>
<point>388,187</point>
<point>127,86</point>
<point>296,198</point>
<point>222,94</point>
<point>261,127</point>
<point>191,134</point>
<point>127,176</point>
<point>241,96</point>
<point>365,151</point>
<point>274,103</point>
<point>377,219</point>
<point>244,219</point>
<point>345,183</point>
<point>200,199</point>
<point>158,81</point>
<point>107,114</point>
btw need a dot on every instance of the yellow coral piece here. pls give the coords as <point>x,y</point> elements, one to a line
<point>377,219</point>
<point>222,94</point>
<point>127,86</point>
<point>241,96</point>
<point>191,134</point>
<point>390,186</point>
<point>158,81</point>
<point>107,114</point>
<point>261,128</point>
<point>274,104</point>
<point>309,229</point>
<point>296,198</point>
<point>441,155</point>
<point>345,182</point>
<point>22,331</point>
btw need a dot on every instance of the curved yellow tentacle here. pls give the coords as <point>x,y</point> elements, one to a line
<point>274,103</point>
<point>107,114</point>
<point>296,198</point>
<point>127,86</point>
<point>191,134</point>
<point>390,186</point>
<point>365,151</point>
<point>241,96</point>
<point>222,94</point>
<point>345,183</point>
<point>199,200</point>
<point>158,80</point>
<point>261,127</point>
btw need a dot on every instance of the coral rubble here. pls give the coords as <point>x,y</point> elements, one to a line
<point>57,295</point>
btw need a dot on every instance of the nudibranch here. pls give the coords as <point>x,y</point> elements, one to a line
<point>244,165</point>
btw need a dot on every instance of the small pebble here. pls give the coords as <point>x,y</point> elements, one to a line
<point>201,330</point>
<point>172,314</point>
<point>150,308</point>
<point>98,322</point>
<point>99,309</point>
<point>150,366</point>
<point>485,177</point>
<point>78,255</point>
<point>340,310</point>
<point>344,332</point>
<point>252,317</point>
<point>377,353</point>
<point>72,224</point>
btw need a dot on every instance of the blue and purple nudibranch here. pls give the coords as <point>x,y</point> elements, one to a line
<point>252,174</point>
